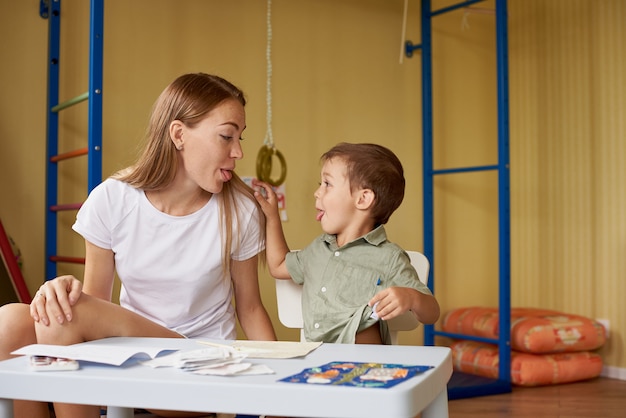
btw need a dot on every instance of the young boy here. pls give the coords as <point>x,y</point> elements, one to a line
<point>351,274</point>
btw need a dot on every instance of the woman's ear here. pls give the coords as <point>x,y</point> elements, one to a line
<point>365,199</point>
<point>176,134</point>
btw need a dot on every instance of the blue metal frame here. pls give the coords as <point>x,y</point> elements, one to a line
<point>52,10</point>
<point>53,13</point>
<point>427,155</point>
<point>472,386</point>
<point>96,53</point>
<point>504,194</point>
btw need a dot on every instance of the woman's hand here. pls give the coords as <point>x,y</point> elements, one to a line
<point>55,299</point>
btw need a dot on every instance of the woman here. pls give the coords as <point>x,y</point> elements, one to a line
<point>181,230</point>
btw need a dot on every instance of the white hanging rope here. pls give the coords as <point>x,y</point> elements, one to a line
<point>477,10</point>
<point>403,35</point>
<point>268,151</point>
<point>269,138</point>
<point>465,20</point>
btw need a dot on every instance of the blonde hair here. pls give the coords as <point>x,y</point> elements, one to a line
<point>188,99</point>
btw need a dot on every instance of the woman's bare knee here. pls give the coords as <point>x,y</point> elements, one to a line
<point>72,331</point>
<point>17,328</point>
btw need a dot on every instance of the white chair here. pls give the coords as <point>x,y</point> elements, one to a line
<point>289,295</point>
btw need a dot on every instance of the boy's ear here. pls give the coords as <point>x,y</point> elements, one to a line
<point>365,199</point>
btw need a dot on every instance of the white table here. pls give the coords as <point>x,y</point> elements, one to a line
<point>136,386</point>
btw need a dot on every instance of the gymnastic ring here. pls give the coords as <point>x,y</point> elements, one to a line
<point>264,165</point>
<point>260,161</point>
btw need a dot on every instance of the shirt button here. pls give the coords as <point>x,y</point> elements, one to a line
<point>324,289</point>
<point>316,325</point>
<point>337,253</point>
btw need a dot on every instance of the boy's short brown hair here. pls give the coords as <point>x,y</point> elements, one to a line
<point>373,167</point>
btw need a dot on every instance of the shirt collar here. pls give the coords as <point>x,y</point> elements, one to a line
<point>375,237</point>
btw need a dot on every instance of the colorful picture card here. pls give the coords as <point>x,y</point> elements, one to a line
<point>367,375</point>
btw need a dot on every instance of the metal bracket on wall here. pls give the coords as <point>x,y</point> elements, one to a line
<point>409,48</point>
<point>44,8</point>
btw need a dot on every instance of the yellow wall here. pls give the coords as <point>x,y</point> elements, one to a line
<point>337,77</point>
<point>568,77</point>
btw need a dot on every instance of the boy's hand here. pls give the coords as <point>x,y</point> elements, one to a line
<point>266,198</point>
<point>276,246</point>
<point>392,302</point>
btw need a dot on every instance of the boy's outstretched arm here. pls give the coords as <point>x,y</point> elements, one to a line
<point>276,247</point>
<point>394,301</point>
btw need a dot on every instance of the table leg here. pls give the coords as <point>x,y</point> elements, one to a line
<point>119,412</point>
<point>6,408</point>
<point>438,407</point>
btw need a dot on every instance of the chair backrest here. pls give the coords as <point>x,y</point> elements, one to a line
<point>289,295</point>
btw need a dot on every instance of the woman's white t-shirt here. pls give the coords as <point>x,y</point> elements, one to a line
<point>170,266</point>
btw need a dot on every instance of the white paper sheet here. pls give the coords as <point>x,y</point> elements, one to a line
<point>106,354</point>
<point>269,349</point>
<point>117,355</point>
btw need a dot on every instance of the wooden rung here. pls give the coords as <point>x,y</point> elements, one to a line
<point>63,259</point>
<point>71,154</point>
<point>71,102</point>
<point>67,206</point>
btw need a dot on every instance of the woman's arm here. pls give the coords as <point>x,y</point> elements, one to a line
<point>99,271</point>
<point>253,317</point>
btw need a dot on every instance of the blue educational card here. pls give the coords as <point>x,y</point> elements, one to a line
<point>366,375</point>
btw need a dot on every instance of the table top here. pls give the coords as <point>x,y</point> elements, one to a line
<point>137,386</point>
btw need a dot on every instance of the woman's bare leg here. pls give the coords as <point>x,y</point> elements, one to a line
<point>17,329</point>
<point>92,319</point>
